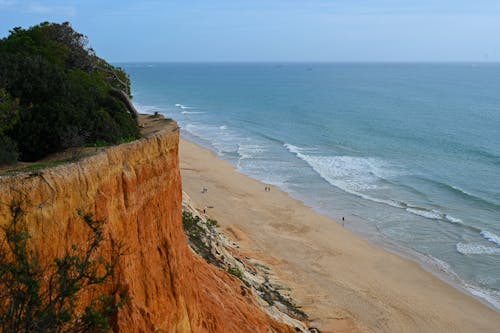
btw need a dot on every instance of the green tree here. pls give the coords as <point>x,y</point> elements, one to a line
<point>9,115</point>
<point>66,95</point>
<point>9,111</point>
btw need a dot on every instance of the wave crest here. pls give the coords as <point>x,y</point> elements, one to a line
<point>356,174</point>
<point>471,248</point>
<point>183,107</point>
<point>349,173</point>
<point>491,237</point>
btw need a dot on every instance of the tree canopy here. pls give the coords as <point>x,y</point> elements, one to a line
<point>55,93</point>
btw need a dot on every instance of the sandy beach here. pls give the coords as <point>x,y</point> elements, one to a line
<point>343,282</point>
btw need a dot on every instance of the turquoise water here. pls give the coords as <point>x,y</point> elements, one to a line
<point>407,153</point>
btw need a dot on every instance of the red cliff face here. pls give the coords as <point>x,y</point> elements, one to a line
<point>136,189</point>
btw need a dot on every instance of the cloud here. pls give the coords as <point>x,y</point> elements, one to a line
<point>37,8</point>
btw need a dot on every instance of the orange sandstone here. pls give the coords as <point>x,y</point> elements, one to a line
<point>136,188</point>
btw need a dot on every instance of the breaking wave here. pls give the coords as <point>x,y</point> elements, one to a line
<point>491,237</point>
<point>471,248</point>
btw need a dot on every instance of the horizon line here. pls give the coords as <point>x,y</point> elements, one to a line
<point>308,62</point>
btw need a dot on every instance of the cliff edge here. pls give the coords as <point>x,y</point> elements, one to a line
<point>136,189</point>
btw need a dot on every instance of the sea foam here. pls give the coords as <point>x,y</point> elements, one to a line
<point>349,173</point>
<point>355,175</point>
<point>250,150</point>
<point>452,219</point>
<point>182,106</point>
<point>471,248</point>
<point>491,237</point>
<point>490,296</point>
<point>430,214</point>
<point>191,112</point>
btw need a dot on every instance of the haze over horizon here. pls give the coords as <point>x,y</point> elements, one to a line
<point>284,31</point>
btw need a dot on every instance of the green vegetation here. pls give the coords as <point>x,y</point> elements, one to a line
<point>56,93</point>
<point>271,295</point>
<point>212,223</point>
<point>236,272</point>
<point>9,115</point>
<point>198,237</point>
<point>41,165</point>
<point>38,298</point>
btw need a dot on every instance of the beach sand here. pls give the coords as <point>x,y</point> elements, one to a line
<point>343,282</point>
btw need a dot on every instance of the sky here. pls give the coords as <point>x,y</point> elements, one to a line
<point>274,30</point>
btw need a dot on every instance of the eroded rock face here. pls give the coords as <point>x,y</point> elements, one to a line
<point>136,189</point>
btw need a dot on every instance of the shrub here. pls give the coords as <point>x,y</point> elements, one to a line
<point>8,150</point>
<point>212,223</point>
<point>38,298</point>
<point>198,236</point>
<point>236,272</point>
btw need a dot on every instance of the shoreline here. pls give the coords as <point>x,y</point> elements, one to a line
<point>432,265</point>
<point>438,268</point>
<point>435,266</point>
<point>371,305</point>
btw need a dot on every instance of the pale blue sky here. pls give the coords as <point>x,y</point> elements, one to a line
<point>274,30</point>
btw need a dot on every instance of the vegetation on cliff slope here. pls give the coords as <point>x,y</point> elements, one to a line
<point>55,93</point>
<point>213,246</point>
<point>37,297</point>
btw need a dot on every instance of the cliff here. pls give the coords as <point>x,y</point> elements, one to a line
<point>136,189</point>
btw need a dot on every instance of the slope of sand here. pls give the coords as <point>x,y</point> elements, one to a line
<point>342,281</point>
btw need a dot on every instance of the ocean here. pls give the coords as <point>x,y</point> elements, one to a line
<point>408,154</point>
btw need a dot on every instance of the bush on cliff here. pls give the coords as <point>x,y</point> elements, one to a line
<point>48,298</point>
<point>9,112</point>
<point>56,93</point>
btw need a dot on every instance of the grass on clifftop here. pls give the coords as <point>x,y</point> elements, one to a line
<point>33,168</point>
